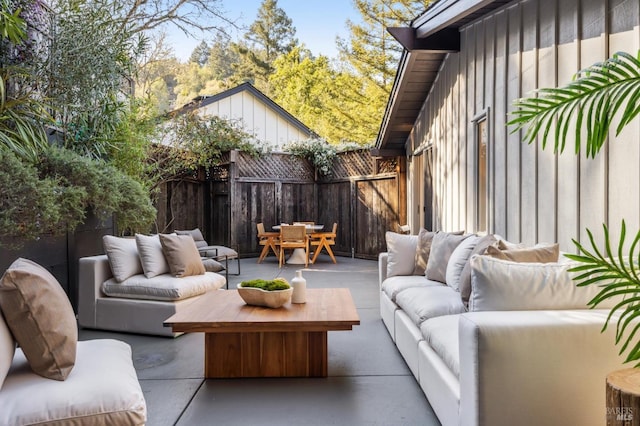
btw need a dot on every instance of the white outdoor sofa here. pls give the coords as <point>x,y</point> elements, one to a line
<point>143,293</point>
<point>525,351</point>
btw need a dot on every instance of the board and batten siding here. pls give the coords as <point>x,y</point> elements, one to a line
<point>535,195</point>
<point>257,119</point>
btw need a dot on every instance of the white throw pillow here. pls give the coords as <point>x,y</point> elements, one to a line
<point>401,253</point>
<point>123,256</point>
<point>151,256</point>
<point>459,258</point>
<point>503,285</point>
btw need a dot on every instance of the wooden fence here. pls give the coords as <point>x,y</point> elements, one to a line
<point>364,195</point>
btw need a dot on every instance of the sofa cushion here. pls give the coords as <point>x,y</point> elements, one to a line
<point>502,285</point>
<point>182,255</point>
<point>441,333</point>
<point>401,257</point>
<point>423,248</point>
<point>102,389</point>
<point>459,258</point>
<point>394,285</point>
<point>7,349</point>
<point>464,284</point>
<point>151,255</point>
<point>422,303</point>
<point>123,256</point>
<point>40,318</point>
<point>541,253</point>
<point>444,243</point>
<point>163,287</point>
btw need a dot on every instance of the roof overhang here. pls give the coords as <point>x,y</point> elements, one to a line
<point>427,41</point>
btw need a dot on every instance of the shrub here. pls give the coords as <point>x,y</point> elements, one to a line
<point>108,190</point>
<point>320,153</point>
<point>30,206</point>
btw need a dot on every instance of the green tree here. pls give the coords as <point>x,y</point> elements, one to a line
<point>370,49</point>
<point>222,57</point>
<point>200,54</point>
<point>372,54</point>
<point>270,35</point>
<point>192,82</point>
<point>156,77</point>
<point>336,104</point>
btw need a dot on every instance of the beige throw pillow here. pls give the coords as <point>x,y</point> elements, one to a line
<point>40,318</point>
<point>537,254</point>
<point>182,255</point>
<point>425,238</point>
<point>443,245</point>
<point>123,256</point>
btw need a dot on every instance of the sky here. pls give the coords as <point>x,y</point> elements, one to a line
<point>317,23</point>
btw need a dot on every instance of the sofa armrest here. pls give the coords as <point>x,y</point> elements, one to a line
<point>382,268</point>
<point>92,272</point>
<point>535,367</point>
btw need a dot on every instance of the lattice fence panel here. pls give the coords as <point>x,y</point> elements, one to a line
<point>275,166</point>
<point>388,165</point>
<point>352,163</point>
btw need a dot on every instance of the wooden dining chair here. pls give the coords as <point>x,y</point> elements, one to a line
<point>325,240</point>
<point>268,240</point>
<point>293,237</point>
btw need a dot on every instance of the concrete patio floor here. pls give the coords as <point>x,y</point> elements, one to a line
<point>368,384</point>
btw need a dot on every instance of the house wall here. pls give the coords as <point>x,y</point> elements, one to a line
<point>534,194</point>
<point>257,119</point>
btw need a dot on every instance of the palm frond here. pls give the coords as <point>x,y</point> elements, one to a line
<point>590,101</point>
<point>616,272</point>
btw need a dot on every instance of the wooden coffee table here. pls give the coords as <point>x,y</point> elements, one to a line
<point>252,341</point>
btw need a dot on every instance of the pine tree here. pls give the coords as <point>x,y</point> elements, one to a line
<point>372,54</point>
<point>222,56</point>
<point>200,54</point>
<point>371,50</point>
<point>270,35</point>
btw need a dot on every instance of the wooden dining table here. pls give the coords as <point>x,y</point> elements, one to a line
<point>298,255</point>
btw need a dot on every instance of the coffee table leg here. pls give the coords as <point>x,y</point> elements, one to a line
<point>318,354</point>
<point>269,354</point>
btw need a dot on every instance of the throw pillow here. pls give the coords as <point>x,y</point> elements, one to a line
<point>7,349</point>
<point>123,256</point>
<point>425,238</point>
<point>40,318</point>
<point>151,256</point>
<point>503,244</point>
<point>197,236</point>
<point>443,245</point>
<point>459,258</point>
<point>464,285</point>
<point>538,254</point>
<point>182,255</point>
<point>211,265</point>
<point>503,285</point>
<point>401,250</point>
